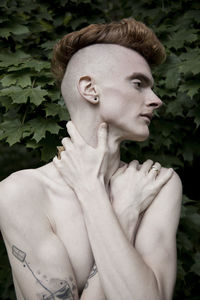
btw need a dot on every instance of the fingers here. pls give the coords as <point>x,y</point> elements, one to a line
<point>164,178</point>
<point>134,164</point>
<point>74,134</point>
<point>146,166</point>
<point>155,169</point>
<point>66,142</point>
<point>56,161</point>
<point>119,171</point>
<point>102,136</point>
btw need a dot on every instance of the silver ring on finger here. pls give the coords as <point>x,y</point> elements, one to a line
<point>154,168</point>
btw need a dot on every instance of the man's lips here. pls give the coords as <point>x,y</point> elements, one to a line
<point>149,116</point>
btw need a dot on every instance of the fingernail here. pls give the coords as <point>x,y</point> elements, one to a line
<point>104,125</point>
<point>68,123</point>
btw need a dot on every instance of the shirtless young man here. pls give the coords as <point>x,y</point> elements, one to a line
<point>88,226</point>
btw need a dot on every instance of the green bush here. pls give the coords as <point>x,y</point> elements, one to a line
<point>33,115</point>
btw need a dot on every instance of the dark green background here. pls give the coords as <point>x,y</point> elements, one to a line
<point>33,115</point>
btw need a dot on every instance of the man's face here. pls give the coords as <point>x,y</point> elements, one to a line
<point>126,98</point>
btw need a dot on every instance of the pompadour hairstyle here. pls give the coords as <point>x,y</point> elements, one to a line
<point>128,33</point>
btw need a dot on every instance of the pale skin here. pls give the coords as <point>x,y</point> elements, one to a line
<point>89,220</point>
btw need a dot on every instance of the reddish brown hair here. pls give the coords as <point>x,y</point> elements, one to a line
<point>128,33</point>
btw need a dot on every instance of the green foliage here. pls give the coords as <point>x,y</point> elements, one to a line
<point>33,115</point>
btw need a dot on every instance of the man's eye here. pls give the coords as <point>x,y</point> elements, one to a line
<point>138,84</point>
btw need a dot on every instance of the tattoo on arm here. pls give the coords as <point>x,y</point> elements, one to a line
<point>60,289</point>
<point>93,272</point>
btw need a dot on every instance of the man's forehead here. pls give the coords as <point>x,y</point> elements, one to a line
<point>127,61</point>
<point>123,57</point>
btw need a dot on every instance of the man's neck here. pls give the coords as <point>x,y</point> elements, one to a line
<point>89,134</point>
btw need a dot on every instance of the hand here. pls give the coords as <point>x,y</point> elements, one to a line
<point>134,186</point>
<point>80,162</point>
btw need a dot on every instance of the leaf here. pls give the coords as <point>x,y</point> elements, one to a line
<point>191,87</point>
<point>181,37</point>
<point>67,18</point>
<point>48,45</point>
<point>196,266</point>
<point>171,71</point>
<point>38,65</point>
<point>190,62</point>
<point>37,95</point>
<point>55,95</point>
<point>53,109</point>
<point>175,108</point>
<point>9,59</point>
<point>19,95</point>
<point>46,26</point>
<point>41,126</point>
<point>4,32</point>
<point>8,80</point>
<point>22,80</point>
<point>184,241</point>
<point>180,270</point>
<point>77,22</point>
<point>12,131</point>
<point>195,112</point>
<point>6,102</point>
<point>195,218</point>
<point>49,147</point>
<point>16,29</point>
<point>19,29</point>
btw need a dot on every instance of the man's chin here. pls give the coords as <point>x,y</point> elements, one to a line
<point>139,137</point>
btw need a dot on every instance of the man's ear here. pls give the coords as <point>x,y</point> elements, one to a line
<point>88,90</point>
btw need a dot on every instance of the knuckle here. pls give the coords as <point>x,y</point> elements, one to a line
<point>135,161</point>
<point>63,141</point>
<point>148,161</point>
<point>56,162</point>
<point>157,164</point>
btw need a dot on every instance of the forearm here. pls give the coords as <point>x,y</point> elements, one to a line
<point>122,271</point>
<point>93,287</point>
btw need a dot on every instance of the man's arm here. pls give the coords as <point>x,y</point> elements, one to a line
<point>156,235</point>
<point>126,271</point>
<point>93,287</point>
<point>123,271</point>
<point>39,261</point>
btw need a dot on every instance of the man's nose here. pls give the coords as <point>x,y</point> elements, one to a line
<point>154,100</point>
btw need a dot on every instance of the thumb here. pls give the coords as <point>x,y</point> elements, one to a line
<point>102,136</point>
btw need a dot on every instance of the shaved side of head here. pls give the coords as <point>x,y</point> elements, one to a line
<point>98,61</point>
<point>92,61</point>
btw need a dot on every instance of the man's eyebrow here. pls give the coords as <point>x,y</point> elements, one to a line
<point>147,80</point>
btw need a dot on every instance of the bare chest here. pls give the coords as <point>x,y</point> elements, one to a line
<point>67,222</point>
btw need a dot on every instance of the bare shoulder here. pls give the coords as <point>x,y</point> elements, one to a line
<point>26,183</point>
<point>164,212</point>
<point>18,192</point>
<point>18,183</point>
<point>173,186</point>
<point>38,257</point>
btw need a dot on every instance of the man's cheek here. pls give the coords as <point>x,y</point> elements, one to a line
<point>112,105</point>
